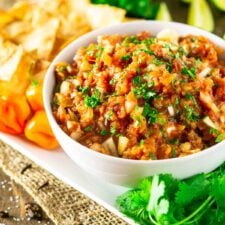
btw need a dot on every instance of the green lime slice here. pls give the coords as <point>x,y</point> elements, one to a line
<point>163,13</point>
<point>220,4</point>
<point>200,15</point>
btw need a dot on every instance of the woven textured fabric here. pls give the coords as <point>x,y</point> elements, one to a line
<point>63,204</point>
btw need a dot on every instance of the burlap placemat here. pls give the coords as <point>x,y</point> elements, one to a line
<point>63,204</point>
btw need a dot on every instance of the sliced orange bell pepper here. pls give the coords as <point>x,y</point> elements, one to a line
<point>39,131</point>
<point>34,95</point>
<point>14,112</point>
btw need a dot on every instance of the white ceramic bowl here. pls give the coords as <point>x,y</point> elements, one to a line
<point>124,171</point>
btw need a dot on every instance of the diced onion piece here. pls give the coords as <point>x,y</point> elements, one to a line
<point>222,119</point>
<point>209,122</point>
<point>129,106</point>
<point>65,87</point>
<point>171,110</point>
<point>208,101</point>
<point>110,145</point>
<point>76,135</point>
<point>205,72</point>
<point>122,144</point>
<point>69,124</point>
<point>168,35</point>
<point>170,129</point>
<point>108,48</point>
<point>76,82</point>
<point>185,147</point>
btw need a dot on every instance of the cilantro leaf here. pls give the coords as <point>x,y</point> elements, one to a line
<point>94,100</point>
<point>144,91</point>
<point>189,72</point>
<point>194,188</point>
<point>218,190</point>
<point>133,203</point>
<point>126,57</point>
<point>150,113</point>
<point>190,114</point>
<point>159,207</point>
<point>219,138</point>
<point>83,90</point>
<point>137,80</point>
<point>191,97</point>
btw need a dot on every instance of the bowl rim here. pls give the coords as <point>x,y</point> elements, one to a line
<point>216,40</point>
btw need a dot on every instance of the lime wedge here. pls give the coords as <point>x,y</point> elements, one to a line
<point>220,4</point>
<point>200,15</point>
<point>163,13</point>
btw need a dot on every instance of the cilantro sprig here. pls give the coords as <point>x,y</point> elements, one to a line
<point>164,200</point>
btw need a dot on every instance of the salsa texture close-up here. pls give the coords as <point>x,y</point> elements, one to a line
<point>143,97</point>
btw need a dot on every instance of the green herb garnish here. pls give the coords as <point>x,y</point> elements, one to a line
<point>126,57</point>
<point>143,91</point>
<point>148,51</point>
<point>190,114</point>
<point>150,113</point>
<point>133,39</point>
<point>88,128</point>
<point>142,142</point>
<point>180,53</point>
<point>99,52</point>
<point>149,41</point>
<point>34,82</point>
<point>191,97</point>
<point>164,200</point>
<point>158,62</point>
<point>83,90</point>
<point>113,130</point>
<point>219,138</point>
<point>177,102</point>
<point>189,72</point>
<point>94,100</point>
<point>169,67</point>
<point>62,68</point>
<point>137,81</point>
<point>104,132</point>
<point>213,131</point>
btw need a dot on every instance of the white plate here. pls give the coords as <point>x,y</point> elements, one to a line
<point>103,193</point>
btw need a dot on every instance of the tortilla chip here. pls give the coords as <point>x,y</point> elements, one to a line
<point>16,29</point>
<point>80,6</point>
<point>10,57</point>
<point>56,7</point>
<point>104,15</point>
<point>42,39</point>
<point>20,9</point>
<point>5,18</point>
<point>19,78</point>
